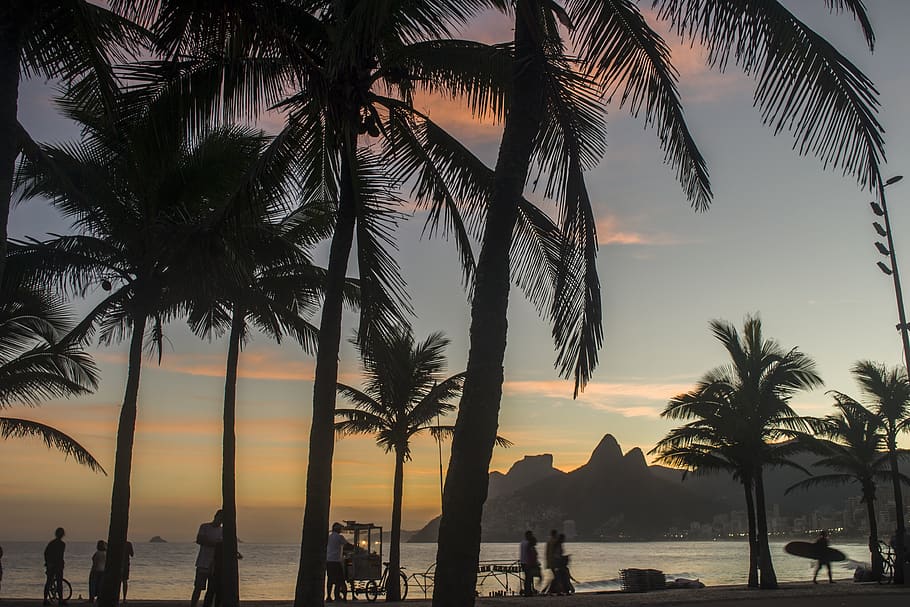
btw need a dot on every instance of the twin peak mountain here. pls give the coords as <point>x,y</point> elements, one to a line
<point>616,496</point>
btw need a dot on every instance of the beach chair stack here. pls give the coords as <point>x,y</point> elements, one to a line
<point>642,580</point>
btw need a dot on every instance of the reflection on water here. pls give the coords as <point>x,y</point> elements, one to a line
<point>269,571</point>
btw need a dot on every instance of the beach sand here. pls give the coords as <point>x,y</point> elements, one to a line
<point>845,593</point>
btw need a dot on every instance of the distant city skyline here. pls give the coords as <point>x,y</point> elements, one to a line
<point>784,238</point>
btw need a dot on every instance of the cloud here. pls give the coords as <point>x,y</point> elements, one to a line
<point>611,230</point>
<point>629,399</point>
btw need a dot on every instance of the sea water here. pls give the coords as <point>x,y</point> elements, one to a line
<point>269,571</point>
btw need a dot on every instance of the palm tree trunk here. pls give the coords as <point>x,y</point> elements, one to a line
<point>753,535</point>
<point>9,126</point>
<point>869,498</point>
<point>230,573</point>
<point>899,548</point>
<point>478,414</point>
<point>768,577</point>
<point>120,495</point>
<point>310,588</point>
<point>393,587</point>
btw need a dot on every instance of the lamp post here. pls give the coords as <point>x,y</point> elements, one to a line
<point>888,251</point>
<point>903,328</point>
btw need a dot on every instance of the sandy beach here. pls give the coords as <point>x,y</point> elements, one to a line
<point>845,593</point>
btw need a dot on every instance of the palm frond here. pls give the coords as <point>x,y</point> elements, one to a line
<point>11,427</point>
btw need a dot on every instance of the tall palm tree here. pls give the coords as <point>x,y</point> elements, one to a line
<point>888,394</point>
<point>403,396</point>
<point>740,414</point>
<point>137,189</point>
<point>850,444</point>
<point>827,103</point>
<point>355,66</point>
<point>56,39</point>
<point>38,362</point>
<point>279,288</point>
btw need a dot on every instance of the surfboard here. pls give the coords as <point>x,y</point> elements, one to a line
<point>810,550</point>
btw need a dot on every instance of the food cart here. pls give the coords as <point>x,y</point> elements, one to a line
<point>363,561</point>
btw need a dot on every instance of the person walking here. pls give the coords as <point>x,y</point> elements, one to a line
<point>821,547</point>
<point>334,570</point>
<point>53,566</point>
<point>208,537</point>
<point>96,575</point>
<point>530,565</point>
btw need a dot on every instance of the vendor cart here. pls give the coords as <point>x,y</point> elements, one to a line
<point>364,571</point>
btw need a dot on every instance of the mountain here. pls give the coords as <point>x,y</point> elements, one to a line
<point>618,496</point>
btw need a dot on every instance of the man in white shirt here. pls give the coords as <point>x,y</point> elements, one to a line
<point>334,570</point>
<point>209,535</point>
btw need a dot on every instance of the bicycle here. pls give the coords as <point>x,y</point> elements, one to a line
<point>373,590</point>
<point>885,550</point>
<point>51,593</point>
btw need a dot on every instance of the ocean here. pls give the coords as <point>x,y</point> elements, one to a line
<point>269,571</point>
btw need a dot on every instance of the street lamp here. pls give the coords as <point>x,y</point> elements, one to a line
<point>891,270</point>
<point>903,328</point>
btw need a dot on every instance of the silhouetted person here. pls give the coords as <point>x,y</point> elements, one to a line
<point>53,565</point>
<point>1,567</point>
<point>559,563</point>
<point>96,575</point>
<point>334,571</point>
<point>821,545</point>
<point>548,554</point>
<point>530,565</point>
<point>213,593</point>
<point>125,571</point>
<point>209,535</point>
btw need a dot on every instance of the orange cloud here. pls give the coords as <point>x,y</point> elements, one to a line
<point>610,232</point>
<point>604,396</point>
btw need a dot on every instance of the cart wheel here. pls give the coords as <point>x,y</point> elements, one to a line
<point>371,591</point>
<point>404,585</point>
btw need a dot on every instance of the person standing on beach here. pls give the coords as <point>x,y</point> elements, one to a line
<point>548,554</point>
<point>821,546</point>
<point>97,571</point>
<point>53,565</point>
<point>125,572</point>
<point>530,565</point>
<point>334,570</point>
<point>209,536</point>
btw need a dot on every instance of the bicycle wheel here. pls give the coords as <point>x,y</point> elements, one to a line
<point>404,585</point>
<point>371,591</point>
<point>67,590</point>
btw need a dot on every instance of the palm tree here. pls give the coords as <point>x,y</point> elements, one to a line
<point>827,103</point>
<point>137,190</point>
<point>403,396</point>
<point>850,444</point>
<point>280,287</point>
<point>38,362</point>
<point>355,66</point>
<point>888,394</point>
<point>740,414</point>
<point>56,39</point>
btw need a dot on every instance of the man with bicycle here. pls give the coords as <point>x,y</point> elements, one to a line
<point>53,565</point>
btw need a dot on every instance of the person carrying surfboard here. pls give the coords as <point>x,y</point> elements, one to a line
<point>822,550</point>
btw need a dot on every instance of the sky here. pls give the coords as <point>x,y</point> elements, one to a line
<point>783,238</point>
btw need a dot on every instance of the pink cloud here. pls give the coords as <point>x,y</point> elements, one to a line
<point>611,231</point>
<point>613,397</point>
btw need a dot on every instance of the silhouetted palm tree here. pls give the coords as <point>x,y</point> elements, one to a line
<point>887,393</point>
<point>403,395</point>
<point>137,190</point>
<point>276,291</point>
<point>851,446</point>
<point>740,413</point>
<point>826,101</point>
<point>56,39</point>
<point>38,362</point>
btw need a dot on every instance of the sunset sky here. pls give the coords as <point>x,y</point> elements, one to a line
<point>783,237</point>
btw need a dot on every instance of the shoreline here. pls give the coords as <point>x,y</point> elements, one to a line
<point>844,593</point>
